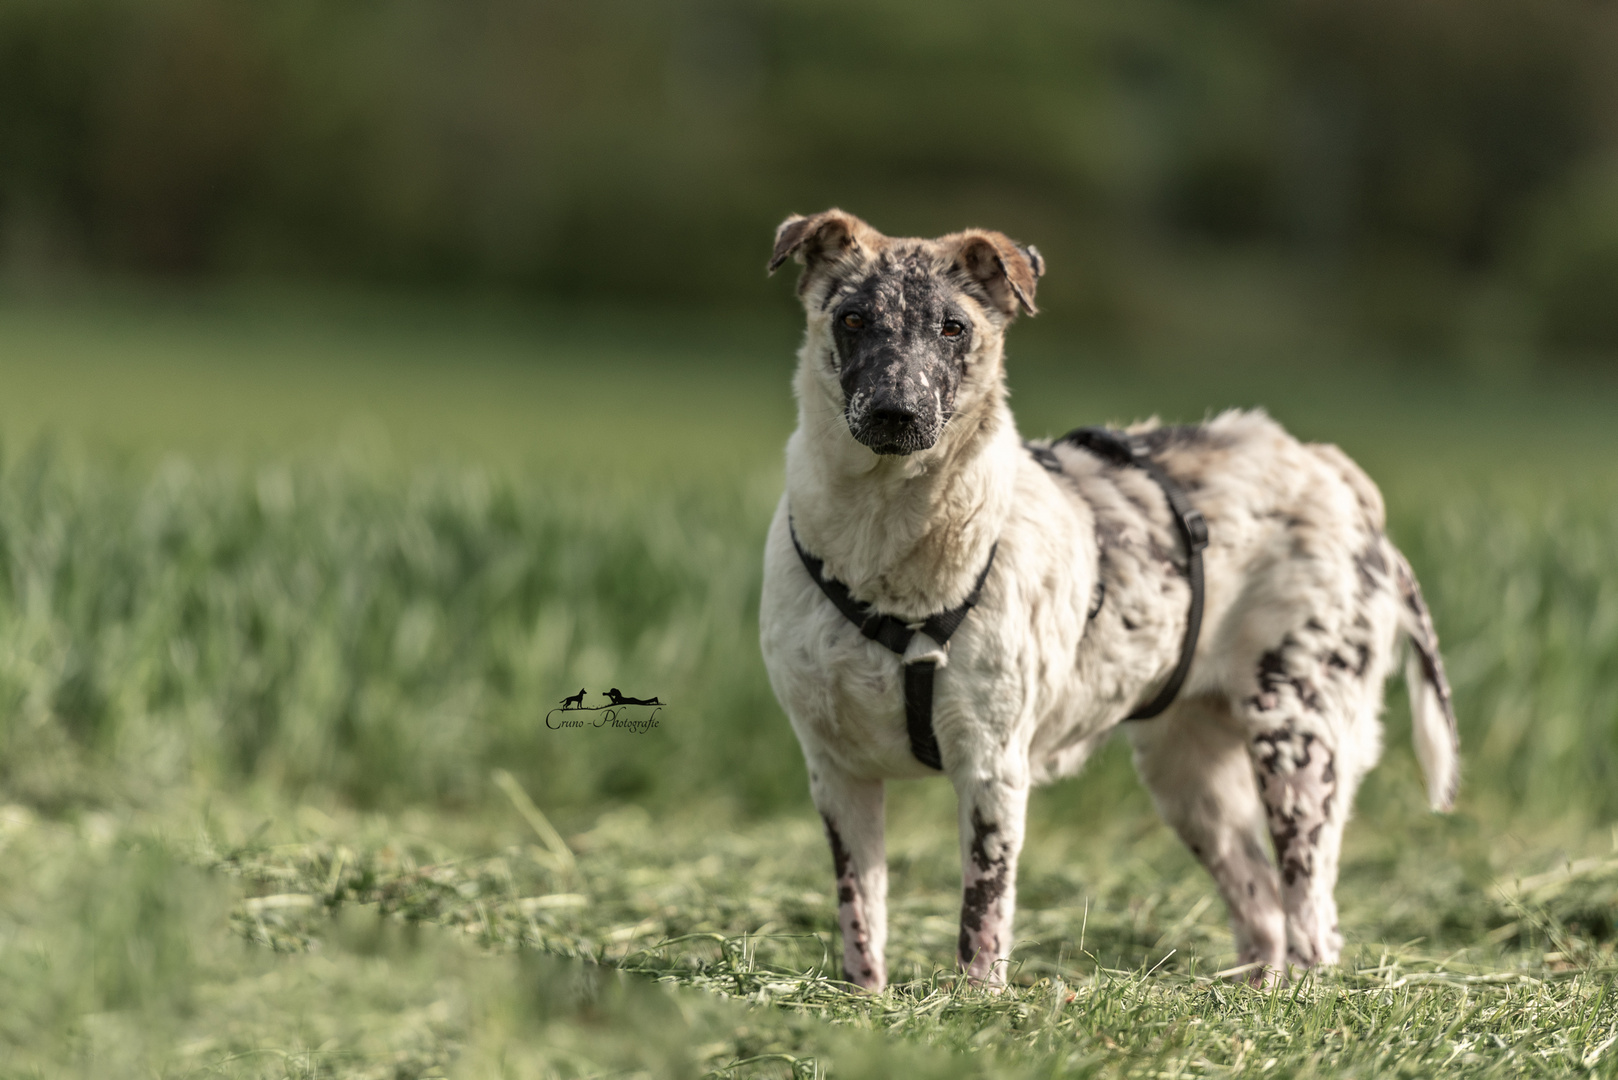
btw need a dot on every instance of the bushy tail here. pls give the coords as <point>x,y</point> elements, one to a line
<point>1432,714</point>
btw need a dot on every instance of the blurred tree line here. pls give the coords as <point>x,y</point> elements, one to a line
<point>1438,161</point>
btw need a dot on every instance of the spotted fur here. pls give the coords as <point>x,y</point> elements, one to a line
<point>906,468</point>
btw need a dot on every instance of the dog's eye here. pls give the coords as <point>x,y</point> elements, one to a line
<point>953,329</point>
<point>853,320</point>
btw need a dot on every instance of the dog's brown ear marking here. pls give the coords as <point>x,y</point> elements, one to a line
<point>1005,269</point>
<point>825,235</point>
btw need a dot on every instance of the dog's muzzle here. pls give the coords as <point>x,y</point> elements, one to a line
<point>893,427</point>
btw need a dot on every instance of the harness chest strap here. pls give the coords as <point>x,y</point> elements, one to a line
<point>895,634</point>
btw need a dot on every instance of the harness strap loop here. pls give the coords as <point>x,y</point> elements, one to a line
<point>919,713</point>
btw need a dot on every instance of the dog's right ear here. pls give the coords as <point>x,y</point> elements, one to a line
<point>817,238</point>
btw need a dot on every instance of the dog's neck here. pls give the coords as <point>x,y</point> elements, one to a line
<point>907,534</point>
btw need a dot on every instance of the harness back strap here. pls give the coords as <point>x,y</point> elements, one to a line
<point>1118,447</point>
<point>895,634</point>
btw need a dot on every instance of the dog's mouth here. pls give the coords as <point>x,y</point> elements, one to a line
<point>894,432</point>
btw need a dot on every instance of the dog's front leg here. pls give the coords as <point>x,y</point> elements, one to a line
<point>852,811</point>
<point>992,826</point>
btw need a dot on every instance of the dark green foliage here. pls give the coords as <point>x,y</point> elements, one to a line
<point>635,149</point>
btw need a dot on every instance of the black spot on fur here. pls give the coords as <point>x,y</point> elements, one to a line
<point>833,287</point>
<point>839,854</point>
<point>1272,667</point>
<point>1166,556</point>
<point>983,894</point>
<point>843,863</point>
<point>1425,642</point>
<point>1109,534</point>
<point>1273,676</point>
<point>1371,567</point>
<point>981,832</point>
<point>1267,746</point>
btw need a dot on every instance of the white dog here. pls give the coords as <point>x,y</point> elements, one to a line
<point>937,593</point>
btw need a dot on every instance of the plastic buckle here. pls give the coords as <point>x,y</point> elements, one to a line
<point>1196,528</point>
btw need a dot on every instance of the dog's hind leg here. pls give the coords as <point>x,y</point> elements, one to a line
<point>1312,733</point>
<point>993,823</point>
<point>853,814</point>
<point>1194,760</point>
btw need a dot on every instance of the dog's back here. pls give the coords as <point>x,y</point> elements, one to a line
<point>1307,600</point>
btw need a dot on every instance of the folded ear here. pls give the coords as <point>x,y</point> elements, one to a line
<point>1006,270</point>
<point>818,237</point>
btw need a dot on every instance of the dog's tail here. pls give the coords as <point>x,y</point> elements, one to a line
<point>1432,713</point>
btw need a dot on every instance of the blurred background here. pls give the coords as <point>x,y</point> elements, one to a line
<point>1428,176</point>
<point>372,375</point>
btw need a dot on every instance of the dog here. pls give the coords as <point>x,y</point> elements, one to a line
<point>909,489</point>
<point>616,698</point>
<point>574,702</point>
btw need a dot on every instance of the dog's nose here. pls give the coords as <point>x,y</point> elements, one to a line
<point>892,416</point>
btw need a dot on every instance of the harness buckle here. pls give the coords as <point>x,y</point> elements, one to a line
<point>1196,527</point>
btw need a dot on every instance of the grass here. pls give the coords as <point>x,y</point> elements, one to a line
<point>286,593</point>
<point>396,946</point>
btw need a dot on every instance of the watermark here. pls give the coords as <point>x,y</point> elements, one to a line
<point>621,712</point>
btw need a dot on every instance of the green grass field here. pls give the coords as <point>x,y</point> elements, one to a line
<point>289,585</point>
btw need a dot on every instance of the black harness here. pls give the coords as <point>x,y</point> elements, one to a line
<point>1118,447</point>
<point>896,634</point>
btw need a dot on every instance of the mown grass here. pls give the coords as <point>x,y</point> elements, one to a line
<point>394,946</point>
<point>254,695</point>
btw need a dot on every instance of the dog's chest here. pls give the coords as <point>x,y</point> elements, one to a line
<point>843,692</point>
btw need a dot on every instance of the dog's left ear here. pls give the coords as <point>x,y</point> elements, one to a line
<point>1008,271</point>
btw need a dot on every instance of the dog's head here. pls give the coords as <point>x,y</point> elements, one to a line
<point>909,332</point>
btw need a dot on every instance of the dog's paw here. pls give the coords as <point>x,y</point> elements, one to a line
<point>1261,968</point>
<point>1312,938</point>
<point>872,982</point>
